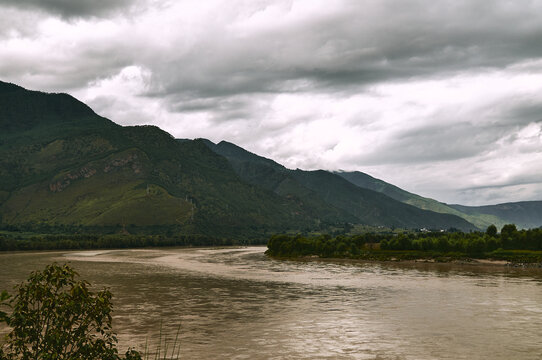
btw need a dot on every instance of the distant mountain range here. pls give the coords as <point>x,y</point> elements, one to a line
<point>64,166</point>
<point>525,214</point>
<point>331,196</point>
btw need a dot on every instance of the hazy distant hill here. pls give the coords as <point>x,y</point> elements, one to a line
<point>330,191</point>
<point>368,182</point>
<point>523,214</point>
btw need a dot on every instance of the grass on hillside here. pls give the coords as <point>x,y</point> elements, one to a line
<point>98,200</point>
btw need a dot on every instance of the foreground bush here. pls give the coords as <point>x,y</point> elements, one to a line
<point>54,316</point>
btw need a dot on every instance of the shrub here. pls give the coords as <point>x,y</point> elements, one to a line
<point>54,316</point>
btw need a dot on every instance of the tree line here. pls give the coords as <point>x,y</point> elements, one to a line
<point>114,241</point>
<point>473,244</point>
<point>510,238</point>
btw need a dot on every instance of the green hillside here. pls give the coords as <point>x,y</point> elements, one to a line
<point>74,167</point>
<point>330,191</point>
<point>271,176</point>
<point>375,208</point>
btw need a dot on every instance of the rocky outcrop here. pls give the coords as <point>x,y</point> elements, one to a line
<point>84,172</point>
<point>119,162</point>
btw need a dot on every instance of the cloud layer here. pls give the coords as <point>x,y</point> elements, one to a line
<point>69,8</point>
<point>443,99</point>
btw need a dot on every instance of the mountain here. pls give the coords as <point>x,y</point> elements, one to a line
<point>271,176</point>
<point>366,181</point>
<point>331,191</point>
<point>524,214</point>
<point>63,165</point>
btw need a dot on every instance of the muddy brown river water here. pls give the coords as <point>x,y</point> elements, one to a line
<point>239,304</point>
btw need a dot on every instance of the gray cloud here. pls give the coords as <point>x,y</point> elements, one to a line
<point>444,138</point>
<point>71,8</point>
<point>66,66</point>
<point>307,83</point>
<point>359,44</point>
<point>444,142</point>
<point>354,46</point>
<point>524,112</point>
<point>523,179</point>
<point>18,23</point>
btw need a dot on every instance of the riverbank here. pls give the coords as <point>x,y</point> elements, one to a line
<point>56,242</point>
<point>517,249</point>
<point>388,257</point>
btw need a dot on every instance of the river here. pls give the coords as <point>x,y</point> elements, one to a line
<point>235,303</point>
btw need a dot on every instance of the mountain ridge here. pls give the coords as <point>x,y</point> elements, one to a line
<point>365,205</point>
<point>481,216</point>
<point>61,164</point>
<point>80,169</point>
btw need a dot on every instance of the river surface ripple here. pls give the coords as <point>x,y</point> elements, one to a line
<point>238,304</point>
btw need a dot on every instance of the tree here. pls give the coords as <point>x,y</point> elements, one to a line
<point>509,230</point>
<point>509,236</point>
<point>55,316</point>
<point>491,230</point>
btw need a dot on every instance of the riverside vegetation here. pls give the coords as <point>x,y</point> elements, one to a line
<point>14,242</point>
<point>55,316</point>
<point>511,244</point>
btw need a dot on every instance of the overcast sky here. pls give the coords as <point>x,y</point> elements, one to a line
<point>442,98</point>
